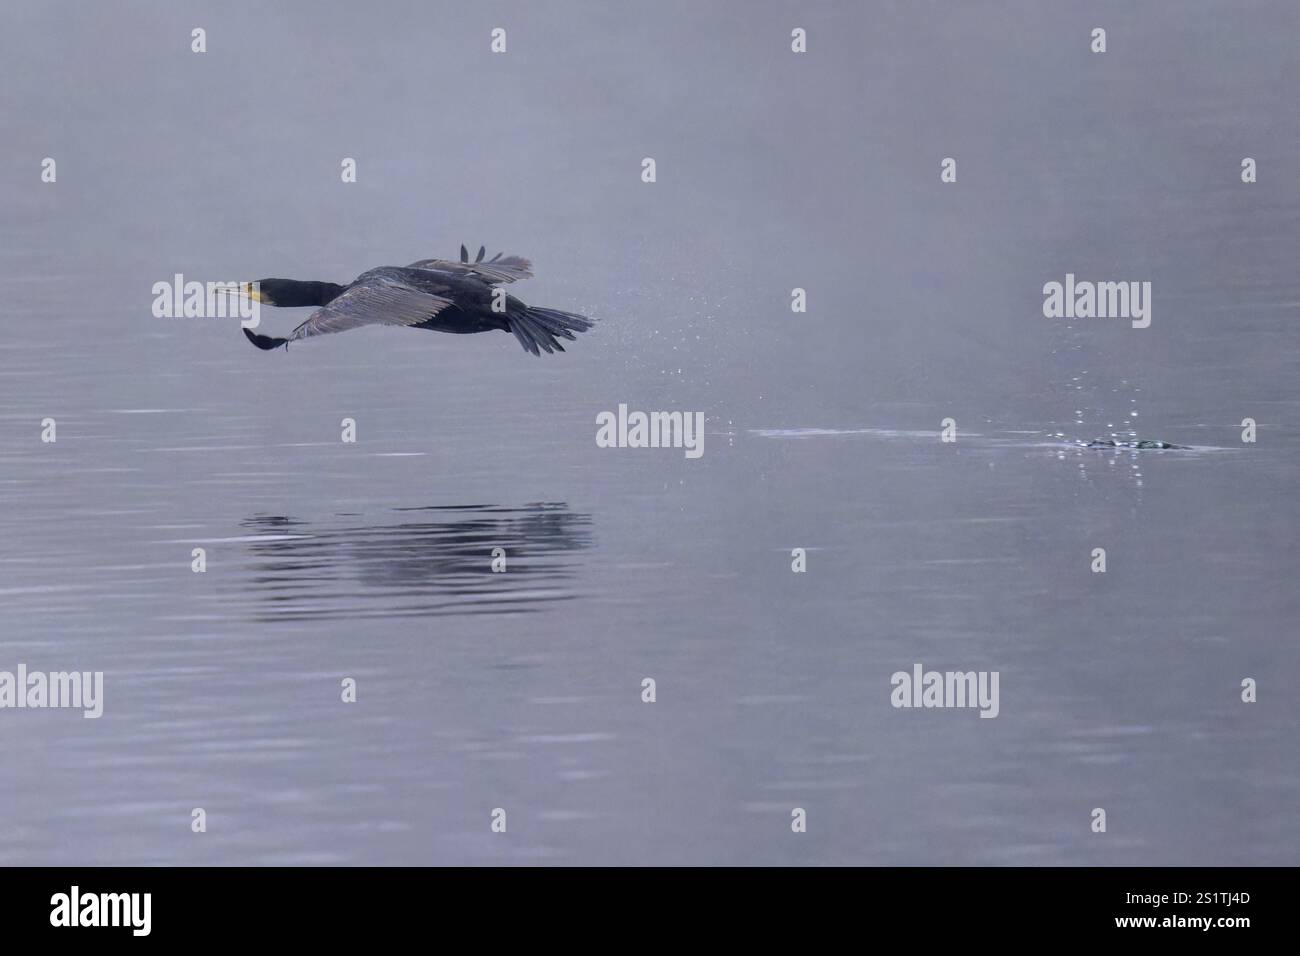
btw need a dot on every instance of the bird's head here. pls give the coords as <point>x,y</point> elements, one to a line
<point>289,293</point>
<point>252,291</point>
<point>267,291</point>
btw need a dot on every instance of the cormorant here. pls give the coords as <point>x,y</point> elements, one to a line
<point>438,294</point>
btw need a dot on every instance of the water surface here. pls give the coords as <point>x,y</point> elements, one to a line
<point>522,690</point>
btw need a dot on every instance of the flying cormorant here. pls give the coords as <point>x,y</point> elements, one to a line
<point>461,297</point>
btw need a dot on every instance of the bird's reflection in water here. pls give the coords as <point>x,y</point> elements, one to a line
<point>424,562</point>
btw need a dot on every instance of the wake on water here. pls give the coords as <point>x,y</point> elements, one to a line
<point>1023,439</point>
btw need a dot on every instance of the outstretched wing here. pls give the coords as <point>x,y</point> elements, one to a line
<point>497,269</point>
<point>377,300</point>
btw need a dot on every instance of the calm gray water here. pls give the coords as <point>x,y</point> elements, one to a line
<point>522,690</point>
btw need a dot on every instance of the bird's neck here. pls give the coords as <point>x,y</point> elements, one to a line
<point>320,293</point>
<point>294,293</point>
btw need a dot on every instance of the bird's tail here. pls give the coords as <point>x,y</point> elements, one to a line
<point>265,342</point>
<point>540,329</point>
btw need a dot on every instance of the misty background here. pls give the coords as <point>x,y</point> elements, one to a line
<point>522,690</point>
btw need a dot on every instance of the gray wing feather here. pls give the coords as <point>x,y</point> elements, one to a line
<point>497,269</point>
<point>378,300</point>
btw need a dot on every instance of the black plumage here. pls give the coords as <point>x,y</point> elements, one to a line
<point>437,294</point>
